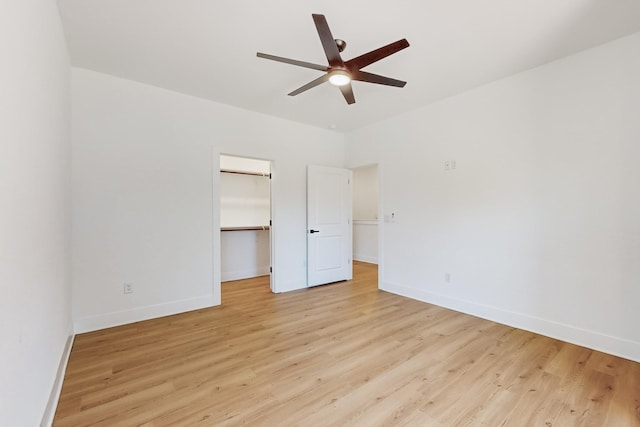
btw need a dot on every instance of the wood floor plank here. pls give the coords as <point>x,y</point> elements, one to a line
<point>337,355</point>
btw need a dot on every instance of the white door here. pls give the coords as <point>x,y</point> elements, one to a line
<point>328,225</point>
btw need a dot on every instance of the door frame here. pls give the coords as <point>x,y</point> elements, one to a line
<point>217,252</point>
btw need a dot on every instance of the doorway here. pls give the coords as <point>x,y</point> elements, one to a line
<point>245,218</point>
<point>366,214</point>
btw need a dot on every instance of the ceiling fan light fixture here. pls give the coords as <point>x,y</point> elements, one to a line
<point>339,77</point>
<point>339,72</point>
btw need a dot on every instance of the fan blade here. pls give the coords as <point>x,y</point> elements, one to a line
<point>376,55</point>
<point>328,42</point>
<point>347,92</point>
<point>363,76</point>
<point>293,62</point>
<point>310,85</point>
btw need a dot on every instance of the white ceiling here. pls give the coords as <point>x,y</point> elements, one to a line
<point>207,48</point>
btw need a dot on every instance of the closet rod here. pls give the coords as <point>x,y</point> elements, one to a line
<point>258,228</point>
<point>244,173</point>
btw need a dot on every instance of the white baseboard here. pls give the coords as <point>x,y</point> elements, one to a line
<point>52,404</point>
<point>582,337</point>
<point>227,276</point>
<point>108,320</point>
<point>365,258</point>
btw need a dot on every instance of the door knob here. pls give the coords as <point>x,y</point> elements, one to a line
<point>314,231</point>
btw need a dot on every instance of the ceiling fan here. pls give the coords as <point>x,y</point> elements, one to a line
<point>340,73</point>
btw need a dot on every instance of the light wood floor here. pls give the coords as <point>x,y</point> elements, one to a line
<point>342,354</point>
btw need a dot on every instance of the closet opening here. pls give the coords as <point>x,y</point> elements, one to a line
<point>245,219</point>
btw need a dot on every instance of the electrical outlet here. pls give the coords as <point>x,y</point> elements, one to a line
<point>127,288</point>
<point>447,165</point>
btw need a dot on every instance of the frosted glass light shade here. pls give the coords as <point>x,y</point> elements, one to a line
<point>339,78</point>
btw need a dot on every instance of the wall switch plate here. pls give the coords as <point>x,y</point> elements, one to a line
<point>447,278</point>
<point>127,288</point>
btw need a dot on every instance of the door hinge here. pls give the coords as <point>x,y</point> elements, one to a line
<point>270,269</point>
<point>269,176</point>
<point>270,224</point>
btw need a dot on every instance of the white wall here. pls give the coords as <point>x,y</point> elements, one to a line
<point>365,193</point>
<point>365,213</point>
<point>538,224</point>
<point>244,254</point>
<point>365,241</point>
<point>35,306</point>
<point>244,164</point>
<point>244,200</point>
<point>146,197</point>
